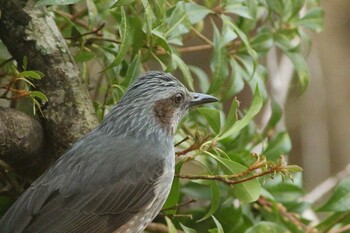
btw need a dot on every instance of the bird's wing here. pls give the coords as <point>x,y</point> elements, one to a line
<point>98,191</point>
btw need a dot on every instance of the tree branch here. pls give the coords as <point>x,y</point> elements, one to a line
<point>30,31</point>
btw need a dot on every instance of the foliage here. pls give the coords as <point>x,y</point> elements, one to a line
<point>225,157</point>
<point>18,85</point>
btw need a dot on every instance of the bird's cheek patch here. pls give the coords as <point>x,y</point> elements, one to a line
<point>164,112</point>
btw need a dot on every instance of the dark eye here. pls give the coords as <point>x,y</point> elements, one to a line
<point>178,98</point>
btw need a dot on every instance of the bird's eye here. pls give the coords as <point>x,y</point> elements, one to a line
<point>178,98</point>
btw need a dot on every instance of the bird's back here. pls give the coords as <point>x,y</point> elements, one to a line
<point>99,185</point>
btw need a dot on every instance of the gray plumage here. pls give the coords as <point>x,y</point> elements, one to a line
<point>117,177</point>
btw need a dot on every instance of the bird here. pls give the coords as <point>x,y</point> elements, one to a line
<point>116,178</point>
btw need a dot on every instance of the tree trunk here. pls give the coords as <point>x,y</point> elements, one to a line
<point>30,31</point>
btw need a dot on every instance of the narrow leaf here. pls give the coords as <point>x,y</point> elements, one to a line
<point>126,40</point>
<point>39,95</point>
<point>56,2</point>
<point>171,227</point>
<point>185,70</point>
<point>34,74</point>
<point>340,199</point>
<point>213,118</point>
<point>251,113</point>
<point>187,229</point>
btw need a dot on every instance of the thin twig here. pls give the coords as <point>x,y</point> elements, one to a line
<point>189,49</point>
<point>183,140</point>
<point>76,20</point>
<point>180,205</point>
<point>94,31</point>
<point>195,146</point>
<point>228,179</point>
<point>201,36</point>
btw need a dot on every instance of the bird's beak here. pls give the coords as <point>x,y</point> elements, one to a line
<point>199,98</point>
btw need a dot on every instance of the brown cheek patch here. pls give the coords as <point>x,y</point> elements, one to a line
<point>164,111</point>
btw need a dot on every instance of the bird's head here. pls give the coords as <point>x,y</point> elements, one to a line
<point>157,100</point>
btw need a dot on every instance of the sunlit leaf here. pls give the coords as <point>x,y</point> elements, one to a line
<point>39,95</point>
<point>187,229</point>
<point>218,229</point>
<point>340,199</point>
<point>171,227</point>
<point>195,12</point>
<point>31,74</point>
<point>313,19</point>
<point>238,9</point>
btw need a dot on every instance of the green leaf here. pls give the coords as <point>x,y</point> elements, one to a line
<point>275,116</point>
<point>254,109</point>
<point>237,78</point>
<point>215,200</point>
<point>162,39</point>
<point>276,6</point>
<point>187,229</point>
<point>171,227</point>
<point>340,199</point>
<point>56,2</point>
<point>262,42</point>
<point>266,227</point>
<point>84,56</point>
<point>241,35</point>
<point>133,70</point>
<point>332,220</point>
<point>213,118</point>
<point>279,145</point>
<point>218,64</point>
<point>286,192</point>
<point>178,22</point>
<point>215,193</point>
<point>34,74</point>
<point>149,16</point>
<point>313,19</point>
<point>301,68</point>
<point>218,229</point>
<point>39,95</point>
<point>195,12</point>
<point>231,116</point>
<point>185,70</point>
<point>246,192</point>
<point>126,39</point>
<point>238,9</point>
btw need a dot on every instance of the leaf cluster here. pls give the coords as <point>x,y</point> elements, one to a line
<point>115,40</point>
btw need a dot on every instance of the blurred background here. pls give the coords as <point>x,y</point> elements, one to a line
<point>318,120</point>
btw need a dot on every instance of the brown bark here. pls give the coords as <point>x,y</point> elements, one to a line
<point>30,31</point>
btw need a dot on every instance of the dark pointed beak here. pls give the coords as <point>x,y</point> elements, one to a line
<point>199,98</point>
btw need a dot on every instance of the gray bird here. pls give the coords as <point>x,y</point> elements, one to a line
<point>117,177</point>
